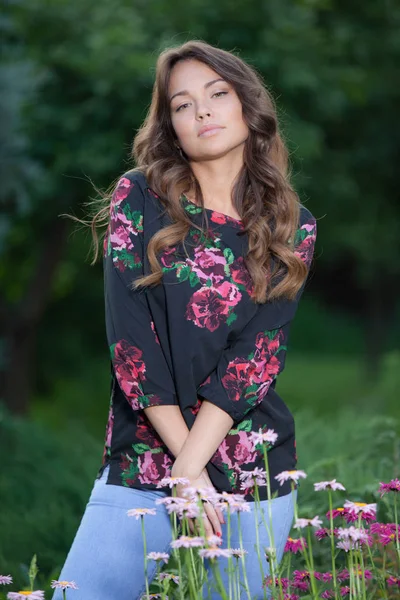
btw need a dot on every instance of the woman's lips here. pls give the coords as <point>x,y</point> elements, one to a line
<point>210,132</point>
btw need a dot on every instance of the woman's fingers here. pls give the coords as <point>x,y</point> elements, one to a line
<point>213,518</point>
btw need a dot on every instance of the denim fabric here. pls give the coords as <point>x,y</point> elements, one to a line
<point>106,557</point>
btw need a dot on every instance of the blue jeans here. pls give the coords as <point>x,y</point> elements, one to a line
<point>106,558</point>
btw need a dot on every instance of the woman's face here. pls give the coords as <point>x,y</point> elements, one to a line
<point>200,97</point>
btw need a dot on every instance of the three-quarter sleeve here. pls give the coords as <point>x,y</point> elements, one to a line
<point>247,368</point>
<point>139,363</point>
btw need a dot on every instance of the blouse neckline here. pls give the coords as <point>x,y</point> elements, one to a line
<point>216,216</point>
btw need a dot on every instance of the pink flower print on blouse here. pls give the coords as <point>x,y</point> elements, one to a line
<point>305,241</point>
<point>124,226</point>
<point>154,331</point>
<point>241,275</point>
<point>109,429</point>
<point>211,306</point>
<point>130,370</point>
<point>208,264</point>
<point>234,451</point>
<point>253,375</point>
<point>153,467</point>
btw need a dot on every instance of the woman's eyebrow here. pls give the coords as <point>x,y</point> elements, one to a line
<point>206,85</point>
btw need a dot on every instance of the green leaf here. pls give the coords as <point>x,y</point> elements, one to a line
<point>229,255</point>
<point>141,448</point>
<point>232,317</point>
<point>193,279</point>
<point>244,425</point>
<point>183,273</point>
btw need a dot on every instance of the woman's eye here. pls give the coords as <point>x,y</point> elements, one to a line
<point>183,105</point>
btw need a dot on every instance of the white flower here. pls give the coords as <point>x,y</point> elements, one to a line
<point>290,475</point>
<point>140,512</point>
<point>353,533</point>
<point>314,522</point>
<point>328,485</point>
<point>171,481</point>
<point>260,437</point>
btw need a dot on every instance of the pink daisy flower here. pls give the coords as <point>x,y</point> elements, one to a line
<point>290,476</point>
<point>207,494</point>
<point>38,595</point>
<point>328,594</point>
<point>392,581</point>
<point>288,596</point>
<point>259,437</point>
<point>367,511</point>
<point>5,579</point>
<point>295,545</point>
<point>140,512</point>
<point>214,552</point>
<point>63,585</point>
<point>392,486</point>
<point>343,575</point>
<point>323,576</point>
<point>301,523</point>
<point>323,532</point>
<point>172,481</point>
<point>328,485</point>
<point>355,534</point>
<point>336,512</point>
<point>186,541</point>
<point>170,577</point>
<point>158,556</point>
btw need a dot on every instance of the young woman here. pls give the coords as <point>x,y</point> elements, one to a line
<point>205,258</point>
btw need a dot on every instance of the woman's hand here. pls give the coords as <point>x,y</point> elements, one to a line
<point>212,517</point>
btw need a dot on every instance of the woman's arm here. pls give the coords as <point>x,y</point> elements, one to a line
<point>209,429</point>
<point>170,426</point>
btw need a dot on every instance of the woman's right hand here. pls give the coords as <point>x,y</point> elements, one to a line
<point>212,516</point>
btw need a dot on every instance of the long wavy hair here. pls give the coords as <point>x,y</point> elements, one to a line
<point>262,195</point>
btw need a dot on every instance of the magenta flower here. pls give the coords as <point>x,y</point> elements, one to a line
<point>343,575</point>
<point>323,576</point>
<point>140,512</point>
<point>288,596</point>
<point>345,591</point>
<point>392,581</point>
<point>323,532</point>
<point>386,532</point>
<point>328,594</point>
<point>5,579</point>
<point>392,486</point>
<point>186,541</point>
<point>295,545</point>
<point>328,485</point>
<point>158,556</point>
<point>38,595</point>
<point>63,585</point>
<point>283,580</point>
<point>290,475</point>
<point>214,552</point>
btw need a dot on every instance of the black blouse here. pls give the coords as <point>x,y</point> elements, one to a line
<point>197,336</point>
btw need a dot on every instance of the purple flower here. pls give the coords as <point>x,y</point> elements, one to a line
<point>301,523</point>
<point>295,545</point>
<point>172,481</point>
<point>259,437</point>
<point>5,579</point>
<point>140,512</point>
<point>169,576</point>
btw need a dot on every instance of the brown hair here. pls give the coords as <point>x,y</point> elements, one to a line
<point>262,195</point>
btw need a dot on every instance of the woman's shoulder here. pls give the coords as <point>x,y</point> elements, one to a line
<point>307,219</point>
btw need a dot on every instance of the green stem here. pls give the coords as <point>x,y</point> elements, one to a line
<point>256,508</point>
<point>64,595</point>
<point>217,577</point>
<point>145,558</point>
<point>246,583</point>
<point>397,528</point>
<point>335,585</point>
<point>312,578</point>
<point>271,530</point>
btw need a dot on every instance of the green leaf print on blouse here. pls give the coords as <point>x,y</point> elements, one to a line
<point>125,224</point>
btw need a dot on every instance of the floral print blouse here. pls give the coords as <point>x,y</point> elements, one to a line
<point>197,336</point>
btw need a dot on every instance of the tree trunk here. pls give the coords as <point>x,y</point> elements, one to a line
<point>22,325</point>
